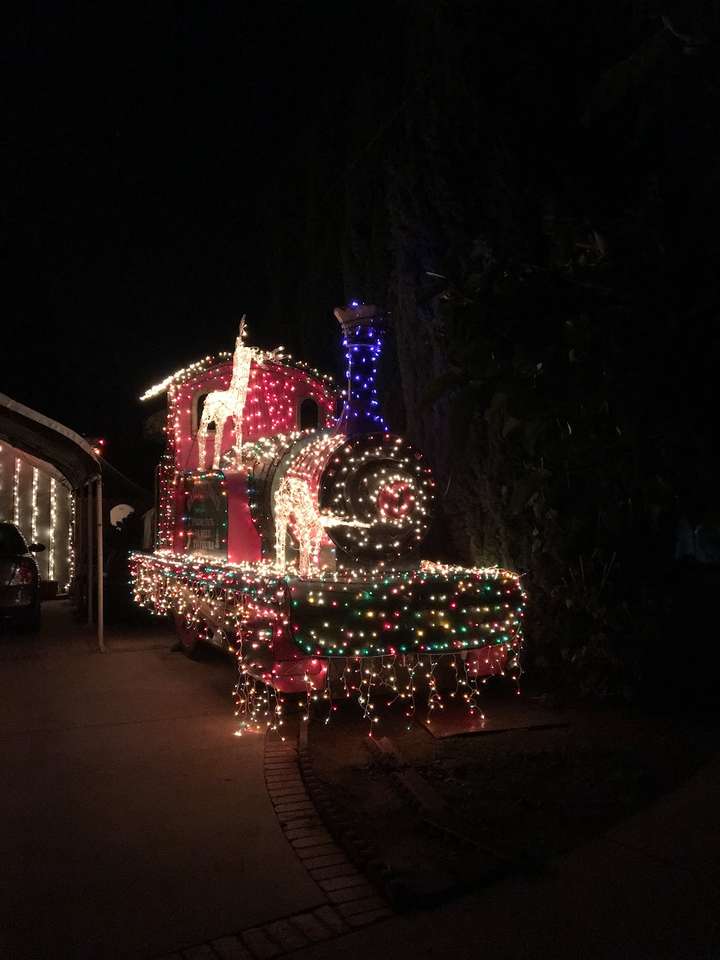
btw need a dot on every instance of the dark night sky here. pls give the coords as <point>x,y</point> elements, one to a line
<point>140,146</point>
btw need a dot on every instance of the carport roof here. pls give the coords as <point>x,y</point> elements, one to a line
<point>48,440</point>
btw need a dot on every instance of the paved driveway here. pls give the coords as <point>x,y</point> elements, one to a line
<point>132,820</point>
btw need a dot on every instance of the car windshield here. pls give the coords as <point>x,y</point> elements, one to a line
<point>11,540</point>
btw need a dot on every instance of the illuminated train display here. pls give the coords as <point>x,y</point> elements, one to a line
<point>290,522</point>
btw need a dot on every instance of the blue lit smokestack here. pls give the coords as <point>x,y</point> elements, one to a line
<point>363,328</point>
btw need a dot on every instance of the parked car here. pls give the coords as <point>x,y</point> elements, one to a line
<point>19,578</point>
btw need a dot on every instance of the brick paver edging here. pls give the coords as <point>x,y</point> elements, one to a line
<point>352,901</point>
<point>363,855</point>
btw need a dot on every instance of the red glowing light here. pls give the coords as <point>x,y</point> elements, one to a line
<point>394,499</point>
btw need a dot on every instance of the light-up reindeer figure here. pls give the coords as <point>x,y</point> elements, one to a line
<point>293,499</point>
<point>297,509</point>
<point>221,405</point>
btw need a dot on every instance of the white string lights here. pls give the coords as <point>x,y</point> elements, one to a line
<point>380,482</point>
<point>371,494</point>
<point>34,509</point>
<point>70,557</point>
<point>16,492</point>
<point>40,504</point>
<point>53,524</point>
<point>223,405</point>
<point>200,367</point>
<point>185,373</point>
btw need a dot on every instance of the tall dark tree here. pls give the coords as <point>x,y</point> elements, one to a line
<point>533,192</point>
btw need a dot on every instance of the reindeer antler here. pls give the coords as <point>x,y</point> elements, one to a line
<point>242,326</point>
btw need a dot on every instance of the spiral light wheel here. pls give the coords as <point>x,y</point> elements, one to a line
<point>378,492</point>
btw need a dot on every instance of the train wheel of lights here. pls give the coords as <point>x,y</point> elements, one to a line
<point>379,493</point>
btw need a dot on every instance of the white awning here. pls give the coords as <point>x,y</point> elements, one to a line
<point>48,440</point>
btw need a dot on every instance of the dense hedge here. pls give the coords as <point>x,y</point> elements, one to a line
<point>534,191</point>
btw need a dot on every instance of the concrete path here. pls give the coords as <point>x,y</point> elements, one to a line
<point>132,820</point>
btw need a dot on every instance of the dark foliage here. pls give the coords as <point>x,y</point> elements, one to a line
<point>534,191</point>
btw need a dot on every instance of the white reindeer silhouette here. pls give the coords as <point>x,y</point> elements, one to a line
<point>296,508</point>
<point>221,405</point>
<point>293,499</point>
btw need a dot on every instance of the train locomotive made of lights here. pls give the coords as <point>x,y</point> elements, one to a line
<point>291,537</point>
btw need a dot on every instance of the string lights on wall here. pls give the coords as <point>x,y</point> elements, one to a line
<point>53,525</point>
<point>70,558</point>
<point>16,492</point>
<point>35,501</point>
<point>34,505</point>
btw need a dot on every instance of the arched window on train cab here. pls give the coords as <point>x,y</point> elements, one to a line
<point>309,414</point>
